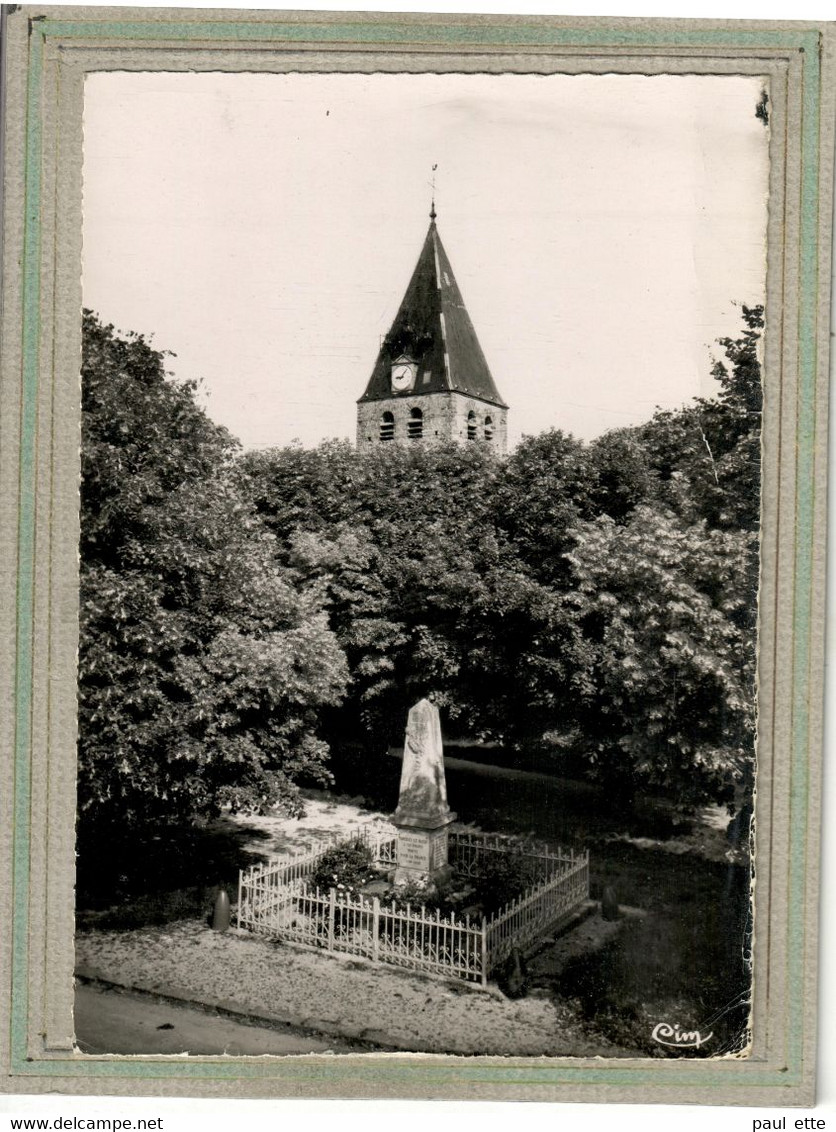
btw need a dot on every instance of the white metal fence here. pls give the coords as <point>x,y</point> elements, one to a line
<point>276,899</point>
<point>543,908</point>
<point>468,851</point>
<point>339,921</point>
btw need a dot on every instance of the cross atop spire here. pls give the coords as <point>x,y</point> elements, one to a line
<point>433,213</point>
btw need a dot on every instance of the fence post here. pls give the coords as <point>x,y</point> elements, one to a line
<point>238,907</point>
<point>375,927</point>
<point>484,942</point>
<point>332,909</point>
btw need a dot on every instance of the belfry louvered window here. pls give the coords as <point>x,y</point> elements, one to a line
<point>488,428</point>
<point>471,425</point>
<point>387,426</point>
<point>415,425</point>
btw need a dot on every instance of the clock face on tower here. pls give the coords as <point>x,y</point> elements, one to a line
<point>404,373</point>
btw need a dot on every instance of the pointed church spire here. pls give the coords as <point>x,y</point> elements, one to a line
<point>433,329</point>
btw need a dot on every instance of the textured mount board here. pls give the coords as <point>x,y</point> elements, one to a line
<point>47,52</point>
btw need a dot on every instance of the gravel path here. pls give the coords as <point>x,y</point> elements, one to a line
<point>332,995</point>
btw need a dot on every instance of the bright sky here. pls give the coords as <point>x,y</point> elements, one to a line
<point>264,228</point>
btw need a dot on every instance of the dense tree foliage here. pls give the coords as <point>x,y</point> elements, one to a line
<point>706,456</point>
<point>203,662</point>
<point>664,586</point>
<point>426,589</point>
<point>663,672</point>
<point>593,602</point>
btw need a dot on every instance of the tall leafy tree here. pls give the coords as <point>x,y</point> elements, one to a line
<point>663,663</point>
<point>543,490</point>
<point>617,475</point>
<point>398,540</point>
<point>706,456</point>
<point>204,664</point>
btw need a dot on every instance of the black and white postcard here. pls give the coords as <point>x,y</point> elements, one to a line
<point>440,457</point>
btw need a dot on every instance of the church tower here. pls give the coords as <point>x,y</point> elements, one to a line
<point>431,383</point>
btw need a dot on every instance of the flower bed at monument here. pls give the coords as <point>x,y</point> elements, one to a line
<point>279,899</point>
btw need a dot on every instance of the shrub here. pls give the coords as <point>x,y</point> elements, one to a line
<point>418,893</point>
<point>502,877</point>
<point>344,867</point>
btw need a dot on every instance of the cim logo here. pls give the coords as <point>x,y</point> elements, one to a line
<point>667,1035</point>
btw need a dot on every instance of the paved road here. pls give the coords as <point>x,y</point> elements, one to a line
<point>109,1021</point>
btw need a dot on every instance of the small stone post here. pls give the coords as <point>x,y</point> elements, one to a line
<point>221,913</point>
<point>423,815</point>
<point>609,904</point>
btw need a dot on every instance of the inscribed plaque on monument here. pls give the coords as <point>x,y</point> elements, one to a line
<point>414,850</point>
<point>439,849</point>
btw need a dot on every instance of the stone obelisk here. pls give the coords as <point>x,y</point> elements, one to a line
<point>423,815</point>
